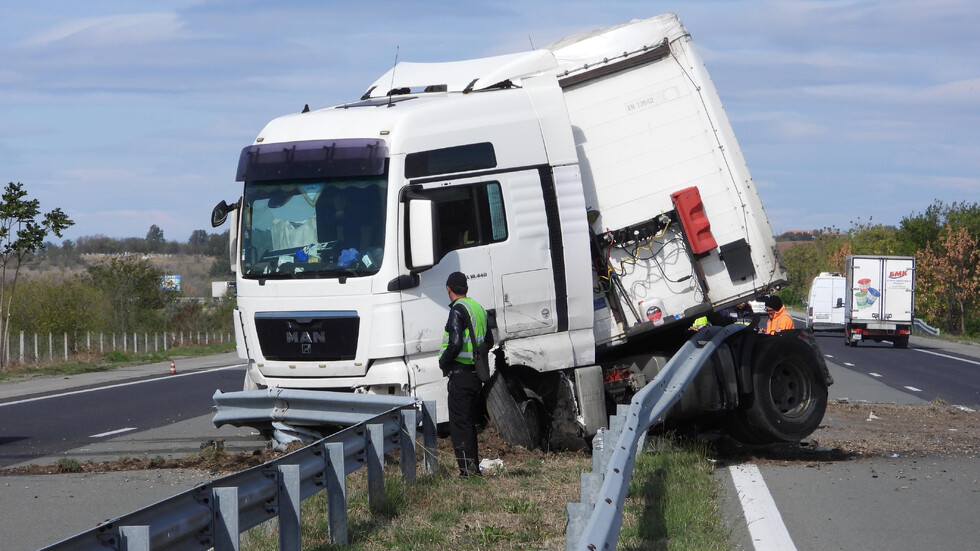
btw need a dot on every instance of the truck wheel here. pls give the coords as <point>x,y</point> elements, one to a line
<point>519,424</point>
<point>790,394</point>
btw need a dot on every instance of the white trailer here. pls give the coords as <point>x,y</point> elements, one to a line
<point>825,302</point>
<point>592,191</point>
<point>880,300</point>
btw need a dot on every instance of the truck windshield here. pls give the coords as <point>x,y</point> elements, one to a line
<point>309,228</point>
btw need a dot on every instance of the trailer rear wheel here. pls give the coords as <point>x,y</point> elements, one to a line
<point>790,393</point>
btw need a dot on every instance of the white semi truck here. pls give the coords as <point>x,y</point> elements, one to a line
<point>593,193</point>
<point>880,299</point>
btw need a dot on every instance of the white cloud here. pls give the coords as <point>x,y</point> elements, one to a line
<point>111,30</point>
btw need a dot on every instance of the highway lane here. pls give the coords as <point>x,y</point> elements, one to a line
<point>40,426</point>
<point>923,370</point>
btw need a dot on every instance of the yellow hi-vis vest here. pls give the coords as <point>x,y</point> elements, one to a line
<point>478,318</point>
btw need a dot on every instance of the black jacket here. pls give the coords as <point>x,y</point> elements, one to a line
<point>459,320</point>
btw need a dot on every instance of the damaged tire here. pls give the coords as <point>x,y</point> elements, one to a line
<point>520,422</point>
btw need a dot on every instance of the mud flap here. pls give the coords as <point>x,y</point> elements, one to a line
<point>505,413</point>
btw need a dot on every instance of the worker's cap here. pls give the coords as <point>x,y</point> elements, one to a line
<point>774,302</point>
<point>456,279</point>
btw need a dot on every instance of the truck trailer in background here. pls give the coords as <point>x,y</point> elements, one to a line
<point>880,300</point>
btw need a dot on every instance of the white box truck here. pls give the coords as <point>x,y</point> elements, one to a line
<point>593,193</point>
<point>880,301</point>
<point>825,302</point>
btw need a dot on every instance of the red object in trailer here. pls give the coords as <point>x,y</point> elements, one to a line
<point>696,226</point>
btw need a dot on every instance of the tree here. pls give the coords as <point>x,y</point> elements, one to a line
<point>198,241</point>
<point>133,287</point>
<point>154,239</point>
<point>918,230</point>
<point>949,278</point>
<point>22,234</point>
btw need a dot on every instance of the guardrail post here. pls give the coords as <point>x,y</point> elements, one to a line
<point>336,493</point>
<point>375,451</point>
<point>407,443</point>
<point>224,514</point>
<point>134,538</point>
<point>577,517</point>
<point>225,519</point>
<point>430,439</point>
<point>289,498</point>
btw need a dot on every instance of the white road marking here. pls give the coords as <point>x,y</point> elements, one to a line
<point>829,355</point>
<point>966,409</point>
<point>764,521</point>
<point>946,356</point>
<point>873,374</point>
<point>111,432</point>
<point>141,381</point>
<point>848,364</point>
<point>913,389</point>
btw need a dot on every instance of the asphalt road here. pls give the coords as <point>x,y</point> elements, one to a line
<point>890,502</point>
<point>50,424</point>
<point>927,369</point>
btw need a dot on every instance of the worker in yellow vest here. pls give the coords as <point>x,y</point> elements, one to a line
<point>456,359</point>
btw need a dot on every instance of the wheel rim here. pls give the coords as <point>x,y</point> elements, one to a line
<point>790,389</point>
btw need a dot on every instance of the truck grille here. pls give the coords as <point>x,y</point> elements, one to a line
<point>308,336</point>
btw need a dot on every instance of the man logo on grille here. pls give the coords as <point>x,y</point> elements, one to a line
<point>305,337</point>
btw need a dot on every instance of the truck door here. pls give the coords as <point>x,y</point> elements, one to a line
<point>865,291</point>
<point>470,222</point>
<point>898,289</point>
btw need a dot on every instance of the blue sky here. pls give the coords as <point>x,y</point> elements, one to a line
<point>127,114</point>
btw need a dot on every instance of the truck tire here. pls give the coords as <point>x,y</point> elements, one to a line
<point>790,393</point>
<point>518,423</point>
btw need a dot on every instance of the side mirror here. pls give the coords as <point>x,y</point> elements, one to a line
<point>220,213</point>
<point>421,226</point>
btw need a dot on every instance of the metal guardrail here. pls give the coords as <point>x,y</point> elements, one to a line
<point>934,331</point>
<point>595,521</point>
<point>214,514</point>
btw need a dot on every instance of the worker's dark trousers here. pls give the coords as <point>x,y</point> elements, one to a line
<point>464,392</point>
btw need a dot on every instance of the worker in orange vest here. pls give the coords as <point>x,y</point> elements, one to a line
<point>779,320</point>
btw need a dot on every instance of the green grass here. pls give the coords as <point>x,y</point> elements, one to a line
<point>673,501</point>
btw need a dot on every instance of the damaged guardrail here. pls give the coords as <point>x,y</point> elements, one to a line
<point>214,514</point>
<point>594,522</point>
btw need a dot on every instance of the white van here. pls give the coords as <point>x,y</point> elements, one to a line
<point>825,305</point>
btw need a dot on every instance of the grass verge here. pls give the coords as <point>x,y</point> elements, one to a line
<point>672,505</point>
<point>108,361</point>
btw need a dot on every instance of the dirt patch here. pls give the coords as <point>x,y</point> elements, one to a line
<point>213,461</point>
<point>850,430</point>
<point>856,430</point>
